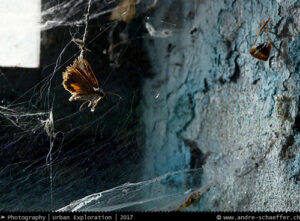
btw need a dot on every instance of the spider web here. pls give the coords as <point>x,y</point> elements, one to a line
<point>52,153</point>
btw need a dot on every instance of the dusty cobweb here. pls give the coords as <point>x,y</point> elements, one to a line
<point>53,153</point>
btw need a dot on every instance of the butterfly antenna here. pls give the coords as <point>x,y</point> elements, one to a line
<point>113,94</point>
<point>263,26</point>
<point>262,29</point>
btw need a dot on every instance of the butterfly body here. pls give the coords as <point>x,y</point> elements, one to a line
<point>80,81</point>
<point>92,98</point>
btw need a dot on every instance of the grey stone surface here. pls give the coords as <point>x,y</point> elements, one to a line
<point>209,94</point>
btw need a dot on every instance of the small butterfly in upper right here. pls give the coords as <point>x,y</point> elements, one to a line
<point>262,51</point>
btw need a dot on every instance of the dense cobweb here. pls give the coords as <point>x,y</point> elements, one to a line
<point>42,157</point>
<point>145,195</point>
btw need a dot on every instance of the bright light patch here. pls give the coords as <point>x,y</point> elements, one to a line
<point>20,33</point>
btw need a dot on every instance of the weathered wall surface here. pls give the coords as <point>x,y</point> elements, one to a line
<point>214,106</point>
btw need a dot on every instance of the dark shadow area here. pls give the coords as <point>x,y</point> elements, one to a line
<point>90,152</point>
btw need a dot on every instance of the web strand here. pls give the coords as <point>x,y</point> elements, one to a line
<point>87,15</point>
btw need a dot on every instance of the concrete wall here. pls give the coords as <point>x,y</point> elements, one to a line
<point>212,105</point>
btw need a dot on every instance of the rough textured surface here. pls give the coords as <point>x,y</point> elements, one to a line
<point>210,114</point>
<point>210,97</point>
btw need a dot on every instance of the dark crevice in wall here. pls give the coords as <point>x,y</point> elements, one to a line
<point>296,125</point>
<point>284,153</point>
<point>198,158</point>
<point>205,87</point>
<point>233,78</point>
<point>256,81</point>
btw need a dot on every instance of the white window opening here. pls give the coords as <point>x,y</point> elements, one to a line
<point>20,33</point>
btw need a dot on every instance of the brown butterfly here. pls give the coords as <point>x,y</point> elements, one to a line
<point>262,51</point>
<point>80,81</point>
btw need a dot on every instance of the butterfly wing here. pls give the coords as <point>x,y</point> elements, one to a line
<point>261,52</point>
<point>75,82</point>
<point>85,69</point>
